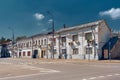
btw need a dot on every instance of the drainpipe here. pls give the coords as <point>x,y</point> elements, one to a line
<point>94,44</point>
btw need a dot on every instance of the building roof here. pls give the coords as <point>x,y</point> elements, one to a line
<point>81,26</point>
<point>69,28</point>
<point>41,34</point>
<point>36,35</point>
<point>112,41</point>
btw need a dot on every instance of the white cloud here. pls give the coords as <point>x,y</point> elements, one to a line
<point>39,24</point>
<point>114,13</point>
<point>50,20</point>
<point>39,16</point>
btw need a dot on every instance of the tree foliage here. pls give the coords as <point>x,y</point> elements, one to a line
<point>4,40</point>
<point>20,37</point>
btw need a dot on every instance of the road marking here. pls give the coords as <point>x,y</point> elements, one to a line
<point>109,75</point>
<point>117,74</point>
<point>107,66</point>
<point>21,76</point>
<point>92,78</point>
<point>44,71</point>
<point>101,76</point>
<point>8,74</point>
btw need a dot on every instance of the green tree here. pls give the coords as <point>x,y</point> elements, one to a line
<point>2,39</point>
<point>20,37</point>
<point>8,39</point>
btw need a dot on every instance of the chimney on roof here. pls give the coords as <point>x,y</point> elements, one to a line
<point>64,25</point>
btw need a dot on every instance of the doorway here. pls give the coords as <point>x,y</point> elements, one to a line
<point>35,54</point>
<point>42,53</point>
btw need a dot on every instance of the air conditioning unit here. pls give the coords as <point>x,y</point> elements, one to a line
<point>70,43</point>
<point>49,44</point>
<point>77,42</point>
<point>49,47</point>
<point>90,41</point>
<point>39,46</point>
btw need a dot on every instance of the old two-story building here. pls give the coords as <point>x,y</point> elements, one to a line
<point>77,42</point>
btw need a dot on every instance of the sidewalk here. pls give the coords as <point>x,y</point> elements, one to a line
<point>67,60</point>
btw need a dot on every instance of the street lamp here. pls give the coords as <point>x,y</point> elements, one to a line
<point>12,39</point>
<point>53,30</point>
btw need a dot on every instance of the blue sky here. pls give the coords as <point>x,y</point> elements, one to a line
<point>29,17</point>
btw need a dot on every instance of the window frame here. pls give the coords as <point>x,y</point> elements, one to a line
<point>87,37</point>
<point>89,50</point>
<point>28,53</point>
<point>75,37</point>
<point>75,51</point>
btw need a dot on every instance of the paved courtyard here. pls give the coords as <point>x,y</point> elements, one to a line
<point>35,69</point>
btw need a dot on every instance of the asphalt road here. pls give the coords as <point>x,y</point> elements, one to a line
<point>23,69</point>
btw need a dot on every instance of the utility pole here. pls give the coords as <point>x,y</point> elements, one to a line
<point>109,50</point>
<point>32,47</point>
<point>59,46</point>
<point>53,30</point>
